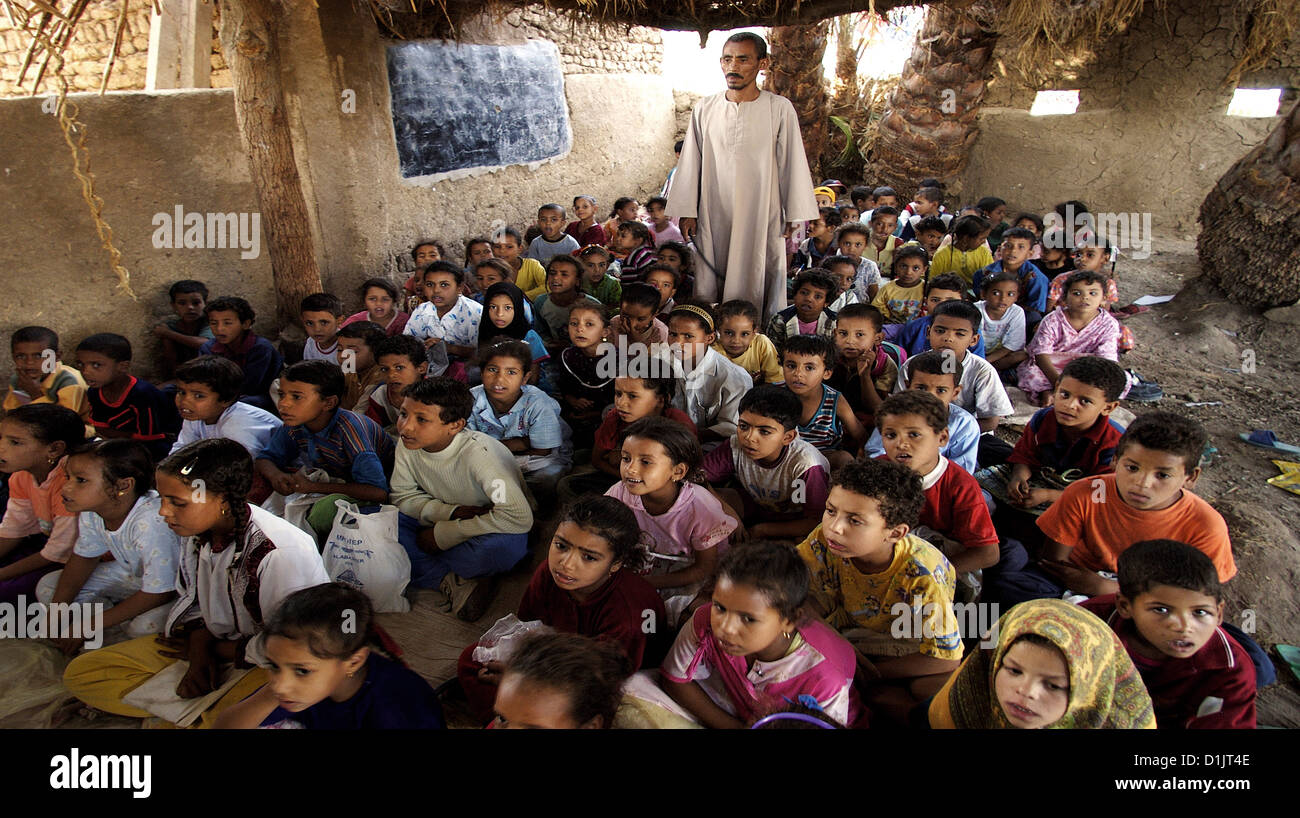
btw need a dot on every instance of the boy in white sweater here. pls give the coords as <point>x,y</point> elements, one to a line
<point>465,511</point>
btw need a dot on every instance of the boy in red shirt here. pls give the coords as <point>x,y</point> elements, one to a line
<point>913,428</point>
<point>1169,614</point>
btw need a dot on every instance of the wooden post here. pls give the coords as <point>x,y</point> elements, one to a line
<point>180,45</point>
<point>249,38</point>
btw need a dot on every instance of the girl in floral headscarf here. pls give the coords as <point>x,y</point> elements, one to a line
<point>1056,665</point>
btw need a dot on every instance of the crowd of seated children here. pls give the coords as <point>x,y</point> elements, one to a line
<point>849,429</point>
<point>588,585</point>
<point>773,481</point>
<point>826,419</point>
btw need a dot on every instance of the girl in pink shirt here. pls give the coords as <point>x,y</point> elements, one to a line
<point>752,652</point>
<point>380,297</point>
<point>683,526</point>
<point>37,532</point>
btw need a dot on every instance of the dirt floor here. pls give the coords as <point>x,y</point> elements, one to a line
<point>1199,348</point>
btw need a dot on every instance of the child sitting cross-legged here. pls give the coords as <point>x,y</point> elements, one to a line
<point>231,319</point>
<point>122,405</point>
<point>755,648</point>
<point>1054,666</point>
<point>899,301</point>
<point>808,315</point>
<point>522,417</point>
<point>317,435</point>
<point>238,562</point>
<point>183,335</point>
<point>1168,613</point>
<point>869,570</point>
<point>1157,462</point>
<point>402,361</point>
<point>561,681</point>
<point>913,428</point>
<point>465,510</point>
<point>1003,327</point>
<point>865,370</point>
<point>780,478</point>
<point>826,420</point>
<point>742,344</point>
<point>321,676</point>
<point>321,315</point>
<point>940,375</point>
<point>683,525</point>
<point>1081,327</point>
<point>110,488</point>
<point>587,585</point>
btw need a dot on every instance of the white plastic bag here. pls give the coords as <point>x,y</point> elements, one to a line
<point>501,640</point>
<point>294,508</point>
<point>362,551</point>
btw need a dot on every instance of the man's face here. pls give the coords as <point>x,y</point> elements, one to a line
<point>740,65</point>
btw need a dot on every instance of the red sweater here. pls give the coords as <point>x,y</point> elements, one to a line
<point>1179,688</point>
<point>955,508</point>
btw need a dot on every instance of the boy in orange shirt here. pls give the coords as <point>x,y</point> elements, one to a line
<point>1148,497</point>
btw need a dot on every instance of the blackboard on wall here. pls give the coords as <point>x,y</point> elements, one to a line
<point>459,107</point>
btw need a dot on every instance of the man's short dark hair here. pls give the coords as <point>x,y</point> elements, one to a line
<point>896,489</point>
<point>775,402</point>
<point>760,45</point>
<point>452,397</point>
<point>1098,373</point>
<point>326,376</point>
<point>1166,432</point>
<point>1151,563</point>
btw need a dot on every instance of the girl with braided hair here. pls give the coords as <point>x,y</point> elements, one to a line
<point>238,562</point>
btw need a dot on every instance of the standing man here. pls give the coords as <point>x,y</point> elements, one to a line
<point>742,177</point>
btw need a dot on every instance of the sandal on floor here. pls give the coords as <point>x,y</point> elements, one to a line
<point>1265,439</point>
<point>1143,390</point>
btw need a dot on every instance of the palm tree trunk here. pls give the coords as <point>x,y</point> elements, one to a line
<point>250,40</point>
<point>928,125</point>
<point>1249,243</point>
<point>797,75</point>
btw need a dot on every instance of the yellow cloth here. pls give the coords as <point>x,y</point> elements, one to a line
<point>100,678</point>
<point>63,386</point>
<point>532,278</point>
<point>1105,688</point>
<point>899,304</point>
<point>760,360</point>
<point>920,577</point>
<point>964,263</point>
